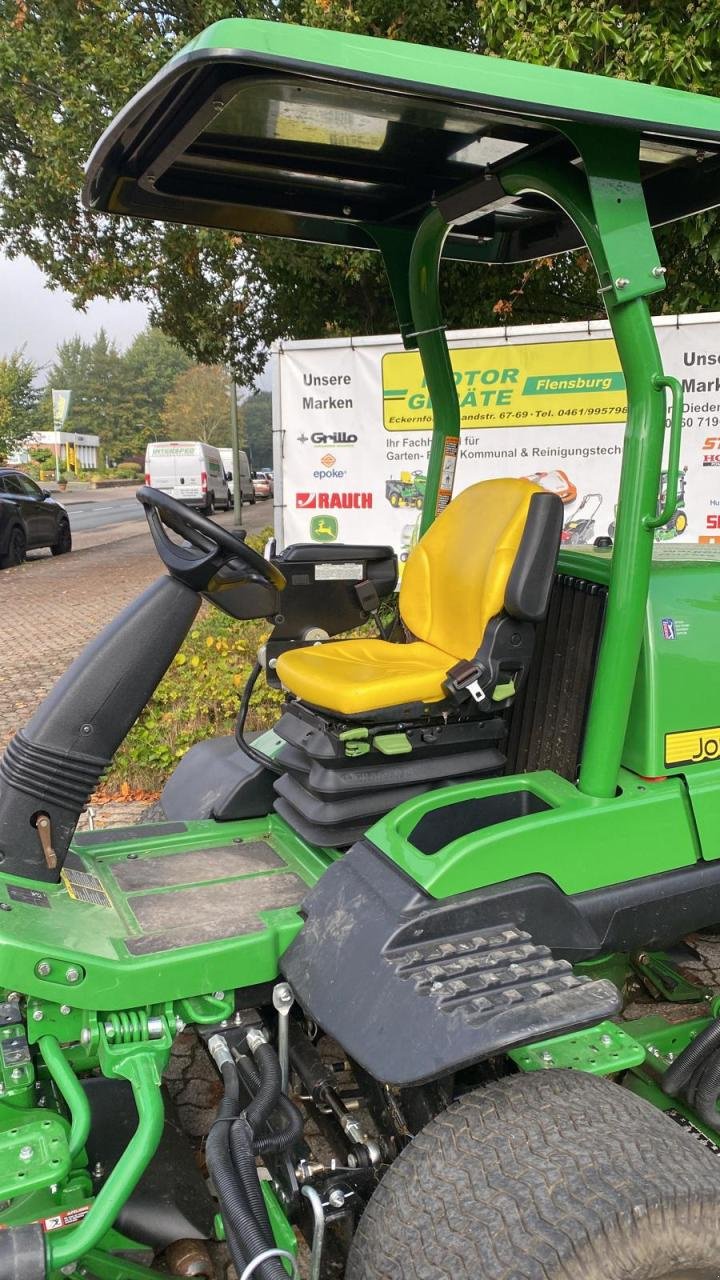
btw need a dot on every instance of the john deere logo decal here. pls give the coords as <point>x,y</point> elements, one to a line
<point>324,528</point>
<point>692,746</point>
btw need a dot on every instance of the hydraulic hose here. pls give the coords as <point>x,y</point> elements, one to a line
<point>257,756</point>
<point>231,1163</point>
<point>707,1093</point>
<point>293,1131</point>
<point>294,1123</point>
<point>258,1111</point>
<point>679,1074</point>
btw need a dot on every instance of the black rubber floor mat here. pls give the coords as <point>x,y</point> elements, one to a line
<point>195,865</point>
<point>209,912</point>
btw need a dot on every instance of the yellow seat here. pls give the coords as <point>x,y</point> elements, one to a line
<point>455,581</point>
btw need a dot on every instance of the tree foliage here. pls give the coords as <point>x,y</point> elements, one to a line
<point>118,396</point>
<point>197,406</point>
<point>18,402</point>
<point>67,65</point>
<point>256,427</point>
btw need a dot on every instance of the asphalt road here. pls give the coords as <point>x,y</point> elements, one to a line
<point>88,515</point>
<point>85,516</point>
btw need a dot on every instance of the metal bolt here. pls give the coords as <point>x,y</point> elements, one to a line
<point>26,1153</point>
<point>5,906</point>
<point>218,104</point>
<point>179,1024</point>
<point>218,995</point>
<point>670,1057</point>
<point>72,974</point>
<point>622,282</point>
<point>69,1270</point>
<point>38,1015</point>
<point>547,1056</point>
<point>606,1039</point>
<point>85,1036</point>
<point>16,1073</point>
<point>98,1170</point>
<point>43,969</point>
<point>336,1198</point>
<point>659,271</point>
<point>65,1008</point>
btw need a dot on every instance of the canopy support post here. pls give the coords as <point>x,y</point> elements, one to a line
<point>611,214</point>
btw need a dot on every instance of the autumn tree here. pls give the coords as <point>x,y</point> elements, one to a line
<point>256,425</point>
<point>198,406</point>
<point>66,68</point>
<point>19,397</point>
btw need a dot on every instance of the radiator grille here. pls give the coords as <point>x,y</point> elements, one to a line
<point>548,718</point>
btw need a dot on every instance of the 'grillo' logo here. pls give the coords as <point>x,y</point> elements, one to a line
<point>338,439</point>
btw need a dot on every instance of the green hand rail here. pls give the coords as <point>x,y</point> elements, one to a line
<point>141,1069</point>
<point>71,1090</point>
<point>673,471</point>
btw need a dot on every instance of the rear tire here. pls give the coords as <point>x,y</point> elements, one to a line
<point>556,1175</point>
<point>17,549</point>
<point>63,543</point>
<point>210,506</point>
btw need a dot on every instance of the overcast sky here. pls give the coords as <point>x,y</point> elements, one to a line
<point>40,318</point>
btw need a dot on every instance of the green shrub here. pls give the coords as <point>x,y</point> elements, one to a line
<point>198,698</point>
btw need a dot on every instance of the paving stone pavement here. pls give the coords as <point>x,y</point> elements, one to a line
<point>50,607</point>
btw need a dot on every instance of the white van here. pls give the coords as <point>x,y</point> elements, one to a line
<point>247,492</point>
<point>190,471</point>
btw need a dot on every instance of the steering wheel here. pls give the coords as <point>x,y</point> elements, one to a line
<point>211,546</point>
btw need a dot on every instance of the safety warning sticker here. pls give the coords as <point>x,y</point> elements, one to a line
<point>82,887</point>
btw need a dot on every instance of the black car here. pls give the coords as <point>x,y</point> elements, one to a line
<point>29,517</point>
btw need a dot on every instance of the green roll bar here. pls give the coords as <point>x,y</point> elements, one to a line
<point>617,231</point>
<point>571,159</point>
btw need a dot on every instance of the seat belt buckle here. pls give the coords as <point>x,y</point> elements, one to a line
<point>463,681</point>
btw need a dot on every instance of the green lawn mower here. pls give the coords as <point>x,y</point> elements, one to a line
<point>403,922</point>
<point>407,491</point>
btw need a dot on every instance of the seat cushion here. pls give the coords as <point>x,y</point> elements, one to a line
<point>354,676</point>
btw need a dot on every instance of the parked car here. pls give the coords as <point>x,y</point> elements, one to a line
<point>247,492</point>
<point>263,484</point>
<point>190,471</point>
<point>29,518</point>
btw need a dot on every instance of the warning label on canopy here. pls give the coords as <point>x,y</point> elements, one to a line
<point>513,385</point>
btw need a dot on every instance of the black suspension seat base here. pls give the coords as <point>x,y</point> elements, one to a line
<point>341,776</point>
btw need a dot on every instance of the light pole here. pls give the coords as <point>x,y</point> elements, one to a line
<point>235,440</point>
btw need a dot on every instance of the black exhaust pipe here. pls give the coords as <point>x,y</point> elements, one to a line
<point>52,766</point>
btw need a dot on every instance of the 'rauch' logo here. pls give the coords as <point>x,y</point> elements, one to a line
<point>324,528</point>
<point>334,501</point>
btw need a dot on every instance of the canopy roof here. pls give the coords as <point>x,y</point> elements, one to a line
<point>317,135</point>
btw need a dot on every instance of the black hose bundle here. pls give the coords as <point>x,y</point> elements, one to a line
<point>231,1148</point>
<point>695,1075</point>
<point>257,756</point>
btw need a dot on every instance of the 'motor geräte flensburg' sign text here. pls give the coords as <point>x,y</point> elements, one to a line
<point>353,420</point>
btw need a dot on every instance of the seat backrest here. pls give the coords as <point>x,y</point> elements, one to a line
<point>466,569</point>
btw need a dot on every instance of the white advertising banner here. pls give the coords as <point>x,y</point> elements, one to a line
<point>352,422</point>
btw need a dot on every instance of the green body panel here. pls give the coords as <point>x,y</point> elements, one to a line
<point>579,842</point>
<point>91,938</point>
<point>678,680</point>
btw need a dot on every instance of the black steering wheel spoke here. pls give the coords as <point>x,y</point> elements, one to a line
<point>211,547</point>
